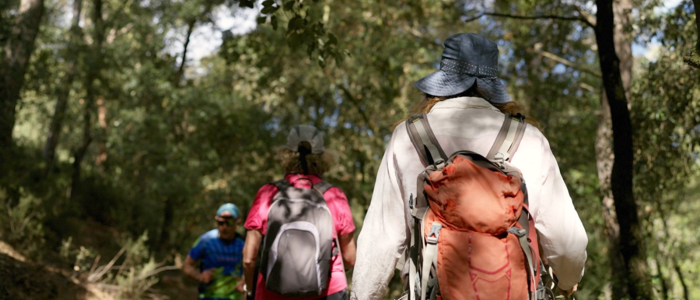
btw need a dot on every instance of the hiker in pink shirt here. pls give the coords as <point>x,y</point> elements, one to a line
<point>304,161</point>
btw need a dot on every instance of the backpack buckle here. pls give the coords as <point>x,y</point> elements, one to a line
<point>500,158</point>
<point>434,233</point>
<point>520,232</point>
<point>439,163</point>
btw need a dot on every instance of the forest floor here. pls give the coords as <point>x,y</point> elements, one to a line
<point>21,279</point>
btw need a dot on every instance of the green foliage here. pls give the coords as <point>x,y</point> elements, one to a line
<point>665,112</point>
<point>22,224</point>
<point>133,276</point>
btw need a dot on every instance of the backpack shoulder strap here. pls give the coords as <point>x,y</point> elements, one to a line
<point>508,138</point>
<point>424,140</point>
<point>322,186</point>
<point>281,184</point>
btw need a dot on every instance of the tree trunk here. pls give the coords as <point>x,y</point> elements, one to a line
<point>94,64</point>
<point>604,163</point>
<point>63,91</point>
<point>17,51</point>
<point>631,241</point>
<point>168,214</point>
<point>104,132</point>
<point>696,4</point>
<point>188,37</point>
<point>604,150</point>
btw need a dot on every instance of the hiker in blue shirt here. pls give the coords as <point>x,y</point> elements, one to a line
<point>220,254</point>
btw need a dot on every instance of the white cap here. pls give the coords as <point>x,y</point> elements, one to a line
<point>305,133</point>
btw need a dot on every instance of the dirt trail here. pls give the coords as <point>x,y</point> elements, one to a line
<point>21,279</point>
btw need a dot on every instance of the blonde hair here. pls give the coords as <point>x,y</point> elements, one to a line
<point>428,101</point>
<point>317,163</point>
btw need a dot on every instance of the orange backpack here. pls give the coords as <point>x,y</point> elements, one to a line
<point>472,236</point>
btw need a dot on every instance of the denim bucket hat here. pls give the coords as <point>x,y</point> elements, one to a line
<point>468,59</point>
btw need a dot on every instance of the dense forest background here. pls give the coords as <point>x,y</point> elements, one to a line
<point>119,138</point>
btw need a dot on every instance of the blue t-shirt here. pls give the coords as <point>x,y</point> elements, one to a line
<point>226,258</point>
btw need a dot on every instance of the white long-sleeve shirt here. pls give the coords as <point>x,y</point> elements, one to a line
<point>465,123</point>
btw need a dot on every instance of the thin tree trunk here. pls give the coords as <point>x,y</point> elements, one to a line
<point>631,234</point>
<point>662,278</point>
<point>693,59</point>
<point>169,207</point>
<point>64,88</point>
<point>188,38</point>
<point>94,64</point>
<point>104,131</point>
<point>168,216</point>
<point>696,4</point>
<point>604,163</point>
<point>672,256</point>
<point>13,66</point>
<point>604,148</point>
<point>679,272</point>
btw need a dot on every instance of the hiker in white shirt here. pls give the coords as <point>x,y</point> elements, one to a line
<point>465,104</point>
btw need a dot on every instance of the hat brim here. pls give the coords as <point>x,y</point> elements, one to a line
<point>441,84</point>
<point>492,90</point>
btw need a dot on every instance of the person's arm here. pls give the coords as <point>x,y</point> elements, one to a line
<point>561,232</point>
<point>189,268</point>
<point>348,249</point>
<point>250,256</point>
<point>383,237</point>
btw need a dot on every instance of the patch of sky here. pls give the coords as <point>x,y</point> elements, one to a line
<point>273,125</point>
<point>338,98</point>
<point>559,69</point>
<point>206,39</point>
<point>332,120</point>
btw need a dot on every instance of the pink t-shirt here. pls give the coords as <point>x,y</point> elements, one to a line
<point>342,219</point>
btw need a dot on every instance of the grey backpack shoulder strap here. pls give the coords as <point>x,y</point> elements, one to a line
<point>508,138</point>
<point>281,184</point>
<point>322,186</point>
<point>424,140</point>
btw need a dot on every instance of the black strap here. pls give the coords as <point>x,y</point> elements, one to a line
<point>424,140</point>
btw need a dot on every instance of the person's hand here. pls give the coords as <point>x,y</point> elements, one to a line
<point>239,286</point>
<point>206,276</point>
<point>569,292</point>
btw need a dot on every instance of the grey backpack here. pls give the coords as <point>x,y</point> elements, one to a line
<point>297,248</point>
